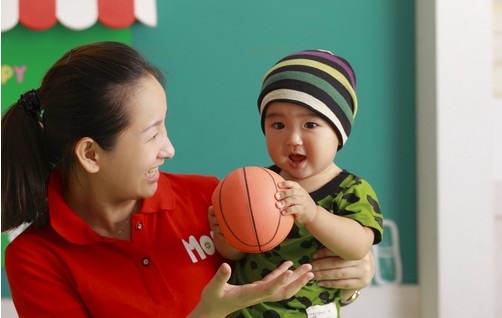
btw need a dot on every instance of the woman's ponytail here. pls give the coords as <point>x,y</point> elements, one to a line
<point>25,169</point>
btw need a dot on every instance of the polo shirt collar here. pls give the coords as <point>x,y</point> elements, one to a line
<point>72,228</point>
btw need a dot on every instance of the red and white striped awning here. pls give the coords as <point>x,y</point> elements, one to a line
<point>77,14</point>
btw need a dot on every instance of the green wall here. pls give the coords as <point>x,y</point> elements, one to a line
<point>28,54</point>
<point>214,54</point>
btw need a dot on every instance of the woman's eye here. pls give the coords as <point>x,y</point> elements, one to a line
<point>278,125</point>
<point>310,125</point>
<point>154,137</point>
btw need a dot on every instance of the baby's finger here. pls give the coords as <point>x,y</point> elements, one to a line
<point>286,205</point>
<point>288,184</point>
<point>291,210</point>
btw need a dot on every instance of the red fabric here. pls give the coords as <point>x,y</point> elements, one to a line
<point>37,14</point>
<point>67,270</point>
<point>40,15</point>
<point>116,13</point>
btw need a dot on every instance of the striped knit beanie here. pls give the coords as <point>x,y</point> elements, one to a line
<point>316,79</point>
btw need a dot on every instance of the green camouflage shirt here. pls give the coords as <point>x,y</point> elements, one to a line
<point>346,195</point>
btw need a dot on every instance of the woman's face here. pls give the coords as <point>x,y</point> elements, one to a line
<point>131,169</point>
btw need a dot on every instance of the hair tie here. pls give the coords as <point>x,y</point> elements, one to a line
<point>30,104</point>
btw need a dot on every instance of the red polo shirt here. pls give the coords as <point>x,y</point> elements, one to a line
<point>67,270</point>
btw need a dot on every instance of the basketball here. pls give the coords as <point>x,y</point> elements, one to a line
<point>244,205</point>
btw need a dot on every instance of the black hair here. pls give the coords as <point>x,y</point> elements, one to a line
<point>82,95</point>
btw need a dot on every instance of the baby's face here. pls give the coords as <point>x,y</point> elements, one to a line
<point>299,141</point>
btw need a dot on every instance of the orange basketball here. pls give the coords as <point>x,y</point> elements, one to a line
<point>244,205</point>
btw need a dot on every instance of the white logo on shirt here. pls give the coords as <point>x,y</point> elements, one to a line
<point>204,246</point>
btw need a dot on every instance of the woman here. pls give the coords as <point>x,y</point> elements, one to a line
<point>110,234</point>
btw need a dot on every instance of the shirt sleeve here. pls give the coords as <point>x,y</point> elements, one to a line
<point>359,202</point>
<point>38,284</point>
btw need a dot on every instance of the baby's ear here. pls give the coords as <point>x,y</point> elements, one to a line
<point>87,154</point>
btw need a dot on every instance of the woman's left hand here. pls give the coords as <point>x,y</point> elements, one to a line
<point>335,272</point>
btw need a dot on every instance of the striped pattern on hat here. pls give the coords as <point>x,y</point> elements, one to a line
<point>318,80</point>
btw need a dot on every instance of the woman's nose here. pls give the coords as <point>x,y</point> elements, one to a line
<point>167,151</point>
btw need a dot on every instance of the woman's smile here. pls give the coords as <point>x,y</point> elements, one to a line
<point>153,174</point>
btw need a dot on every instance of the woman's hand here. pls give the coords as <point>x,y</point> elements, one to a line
<point>213,222</point>
<point>335,272</point>
<point>226,250</point>
<point>220,298</point>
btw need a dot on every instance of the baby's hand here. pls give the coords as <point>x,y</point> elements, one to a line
<point>213,223</point>
<point>295,200</point>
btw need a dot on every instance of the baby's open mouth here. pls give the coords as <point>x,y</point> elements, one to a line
<point>297,158</point>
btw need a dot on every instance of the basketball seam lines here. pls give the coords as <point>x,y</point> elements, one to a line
<point>251,209</point>
<point>276,190</point>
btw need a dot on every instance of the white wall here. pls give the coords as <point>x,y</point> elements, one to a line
<point>497,146</point>
<point>456,164</point>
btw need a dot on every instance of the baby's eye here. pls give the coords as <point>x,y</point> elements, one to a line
<point>154,136</point>
<point>310,125</point>
<point>278,125</point>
